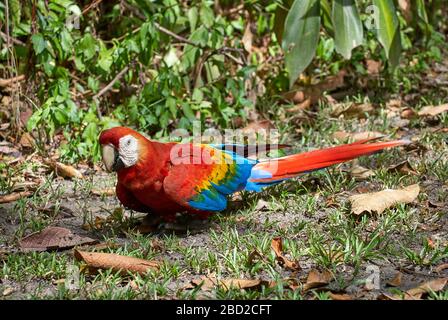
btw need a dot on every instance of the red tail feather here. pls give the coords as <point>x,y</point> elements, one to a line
<point>293,165</point>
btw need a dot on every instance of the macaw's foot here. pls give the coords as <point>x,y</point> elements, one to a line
<point>186,223</point>
<point>150,223</point>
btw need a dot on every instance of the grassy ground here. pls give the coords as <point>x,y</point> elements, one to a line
<point>311,215</point>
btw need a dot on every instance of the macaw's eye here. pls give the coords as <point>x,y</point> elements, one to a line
<point>129,142</point>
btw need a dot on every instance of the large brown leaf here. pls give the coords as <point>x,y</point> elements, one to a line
<point>356,136</point>
<point>317,279</point>
<point>380,201</point>
<point>277,246</point>
<point>427,287</point>
<point>209,283</point>
<point>431,111</point>
<point>53,238</point>
<point>118,263</point>
<point>352,110</point>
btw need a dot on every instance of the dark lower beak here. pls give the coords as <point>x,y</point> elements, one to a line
<point>118,163</point>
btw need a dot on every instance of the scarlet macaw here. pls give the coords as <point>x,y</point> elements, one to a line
<point>154,177</point>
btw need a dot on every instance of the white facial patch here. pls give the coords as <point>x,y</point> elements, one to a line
<point>128,150</point>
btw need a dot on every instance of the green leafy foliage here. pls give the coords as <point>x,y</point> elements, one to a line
<point>162,64</point>
<point>343,22</point>
<point>300,36</point>
<point>347,22</point>
<point>388,31</point>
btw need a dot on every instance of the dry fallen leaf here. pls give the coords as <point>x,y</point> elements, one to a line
<point>14,196</point>
<point>7,291</point>
<point>277,246</point>
<point>261,204</point>
<point>403,167</point>
<point>396,280</point>
<point>64,170</point>
<point>304,105</point>
<point>380,201</point>
<point>340,296</point>
<point>209,283</point>
<point>247,38</point>
<point>253,257</point>
<point>118,263</point>
<point>360,173</point>
<point>356,136</point>
<point>352,110</point>
<point>431,111</point>
<point>26,140</point>
<point>106,192</point>
<point>258,125</point>
<point>315,92</point>
<point>373,67</point>
<point>441,267</point>
<point>53,238</point>
<point>317,279</point>
<point>67,171</point>
<point>10,151</point>
<point>433,285</point>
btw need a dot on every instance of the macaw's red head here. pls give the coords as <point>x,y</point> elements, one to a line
<point>121,147</point>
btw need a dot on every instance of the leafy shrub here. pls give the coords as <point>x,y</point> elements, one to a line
<point>162,64</point>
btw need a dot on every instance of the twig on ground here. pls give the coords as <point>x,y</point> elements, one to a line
<point>7,82</point>
<point>14,196</point>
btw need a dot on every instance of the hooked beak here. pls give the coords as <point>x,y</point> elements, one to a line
<point>111,158</point>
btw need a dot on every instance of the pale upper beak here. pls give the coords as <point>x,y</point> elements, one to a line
<point>109,155</point>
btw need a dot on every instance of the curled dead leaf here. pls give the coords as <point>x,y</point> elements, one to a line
<point>317,279</point>
<point>118,263</point>
<point>304,105</point>
<point>380,201</point>
<point>427,287</point>
<point>53,238</point>
<point>441,267</point>
<point>277,246</point>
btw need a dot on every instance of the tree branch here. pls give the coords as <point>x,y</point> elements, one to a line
<point>110,84</point>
